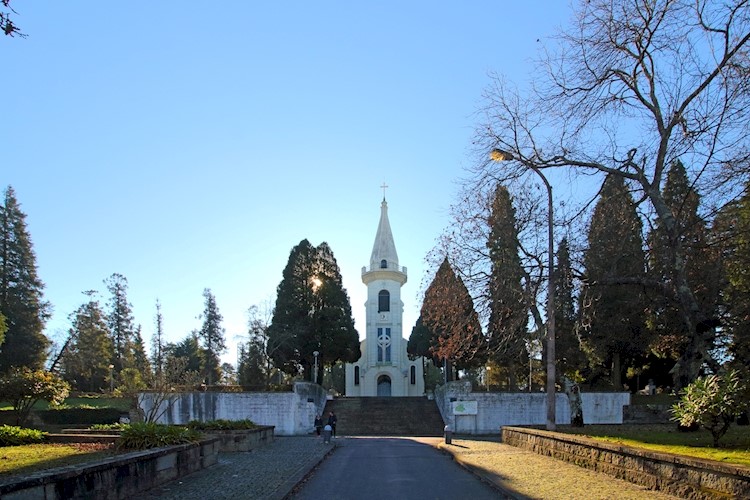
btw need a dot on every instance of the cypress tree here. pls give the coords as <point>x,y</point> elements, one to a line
<point>612,305</point>
<point>449,315</point>
<point>507,328</point>
<point>312,313</point>
<point>21,292</point>
<point>702,266</point>
<point>570,358</point>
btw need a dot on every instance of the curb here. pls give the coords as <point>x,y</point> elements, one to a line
<point>485,478</point>
<point>288,486</point>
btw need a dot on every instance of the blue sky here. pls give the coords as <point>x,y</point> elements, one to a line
<point>190,145</point>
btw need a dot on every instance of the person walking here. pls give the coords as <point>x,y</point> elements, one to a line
<point>332,422</point>
<point>318,424</point>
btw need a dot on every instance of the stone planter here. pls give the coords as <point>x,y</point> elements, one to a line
<point>115,478</point>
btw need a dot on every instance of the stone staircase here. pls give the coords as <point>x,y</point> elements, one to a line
<point>386,416</point>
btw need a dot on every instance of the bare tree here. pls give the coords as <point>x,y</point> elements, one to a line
<point>633,86</point>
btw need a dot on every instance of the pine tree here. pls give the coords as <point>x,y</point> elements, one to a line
<point>211,334</point>
<point>120,321</point>
<point>85,361</point>
<point>312,313</point>
<point>21,292</point>
<point>612,308</point>
<point>449,315</point>
<point>509,308</point>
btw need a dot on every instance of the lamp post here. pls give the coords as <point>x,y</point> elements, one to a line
<point>500,155</point>
<point>315,369</point>
<point>111,378</point>
<point>487,378</point>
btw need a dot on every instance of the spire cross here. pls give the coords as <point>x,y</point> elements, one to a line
<point>384,187</point>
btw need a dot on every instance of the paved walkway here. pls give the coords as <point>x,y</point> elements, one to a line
<point>275,470</point>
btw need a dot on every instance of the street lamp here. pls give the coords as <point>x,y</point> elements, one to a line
<point>500,155</point>
<point>487,378</point>
<point>111,378</point>
<point>315,370</point>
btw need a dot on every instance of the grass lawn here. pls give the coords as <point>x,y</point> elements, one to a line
<point>735,444</point>
<point>21,460</point>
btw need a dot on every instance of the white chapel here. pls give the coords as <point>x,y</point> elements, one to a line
<point>384,369</point>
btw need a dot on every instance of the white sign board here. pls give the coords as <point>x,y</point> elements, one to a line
<point>464,407</point>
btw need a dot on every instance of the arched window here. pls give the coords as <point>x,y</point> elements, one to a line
<point>356,375</point>
<point>384,301</point>
<point>383,264</point>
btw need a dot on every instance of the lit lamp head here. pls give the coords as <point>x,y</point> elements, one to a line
<point>500,155</point>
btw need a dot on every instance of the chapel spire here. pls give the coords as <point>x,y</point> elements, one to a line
<point>384,249</point>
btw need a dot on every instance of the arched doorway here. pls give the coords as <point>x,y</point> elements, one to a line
<point>384,385</point>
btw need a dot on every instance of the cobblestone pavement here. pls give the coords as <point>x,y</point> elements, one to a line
<point>269,472</point>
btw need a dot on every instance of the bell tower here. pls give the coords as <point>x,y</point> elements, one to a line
<point>384,368</point>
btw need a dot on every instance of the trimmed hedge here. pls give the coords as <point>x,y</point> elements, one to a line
<point>80,416</point>
<point>11,435</point>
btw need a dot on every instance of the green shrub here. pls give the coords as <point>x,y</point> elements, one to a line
<point>222,425</point>
<point>23,387</point>
<point>712,402</point>
<point>142,436</point>
<point>11,435</point>
<point>80,416</point>
<point>117,426</point>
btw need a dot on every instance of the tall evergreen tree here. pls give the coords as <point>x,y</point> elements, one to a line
<point>140,359</point>
<point>120,321</point>
<point>211,334</point>
<point>157,342</point>
<point>333,323</point>
<point>312,313</point>
<point>21,292</point>
<point>190,351</point>
<point>570,358</point>
<point>732,230</point>
<point>612,308</point>
<point>448,313</point>
<point>509,309</point>
<point>86,358</point>
<point>702,266</point>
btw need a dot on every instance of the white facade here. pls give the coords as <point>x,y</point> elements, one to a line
<point>384,369</point>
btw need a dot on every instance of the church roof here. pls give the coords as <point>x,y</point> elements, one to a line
<point>384,248</point>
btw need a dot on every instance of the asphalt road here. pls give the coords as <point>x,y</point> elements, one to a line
<point>379,468</point>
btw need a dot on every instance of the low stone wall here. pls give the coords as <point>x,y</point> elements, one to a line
<point>242,440</point>
<point>228,440</point>
<point>119,477</point>
<point>492,410</point>
<point>681,476</point>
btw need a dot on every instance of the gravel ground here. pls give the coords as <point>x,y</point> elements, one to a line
<point>525,474</point>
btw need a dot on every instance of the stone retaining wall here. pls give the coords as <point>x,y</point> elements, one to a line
<point>242,440</point>
<point>119,477</point>
<point>684,477</point>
